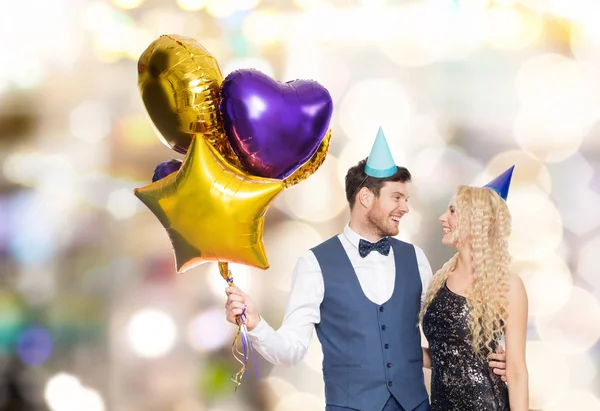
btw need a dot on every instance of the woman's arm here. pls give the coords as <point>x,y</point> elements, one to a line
<point>516,336</point>
<point>426,358</point>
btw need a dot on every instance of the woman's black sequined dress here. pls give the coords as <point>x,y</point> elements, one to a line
<point>460,380</point>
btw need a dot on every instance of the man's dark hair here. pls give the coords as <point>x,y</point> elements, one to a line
<point>357,178</point>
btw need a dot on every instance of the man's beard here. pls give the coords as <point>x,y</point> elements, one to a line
<point>382,230</point>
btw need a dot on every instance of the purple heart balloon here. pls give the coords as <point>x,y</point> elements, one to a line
<point>273,127</point>
<point>165,168</point>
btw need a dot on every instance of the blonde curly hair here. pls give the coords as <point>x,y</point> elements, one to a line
<point>483,222</point>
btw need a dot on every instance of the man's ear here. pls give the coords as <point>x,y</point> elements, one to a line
<point>365,197</point>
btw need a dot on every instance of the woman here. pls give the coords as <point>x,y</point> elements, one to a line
<point>473,301</point>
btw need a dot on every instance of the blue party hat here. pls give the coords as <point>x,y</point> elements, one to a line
<point>501,184</point>
<point>380,163</point>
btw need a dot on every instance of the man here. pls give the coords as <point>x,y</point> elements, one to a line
<point>362,291</point>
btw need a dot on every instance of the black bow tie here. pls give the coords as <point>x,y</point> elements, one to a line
<point>382,246</point>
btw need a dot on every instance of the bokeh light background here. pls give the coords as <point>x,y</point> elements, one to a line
<point>92,317</point>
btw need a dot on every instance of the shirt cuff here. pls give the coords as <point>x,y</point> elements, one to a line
<point>260,330</point>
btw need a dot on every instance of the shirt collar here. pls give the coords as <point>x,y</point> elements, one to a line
<point>352,236</point>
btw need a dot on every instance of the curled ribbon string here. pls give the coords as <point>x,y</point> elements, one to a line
<point>246,343</point>
<point>241,336</point>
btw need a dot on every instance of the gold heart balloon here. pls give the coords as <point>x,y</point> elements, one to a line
<point>311,165</point>
<point>179,82</point>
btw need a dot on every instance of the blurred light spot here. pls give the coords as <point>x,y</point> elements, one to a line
<point>579,400</point>
<point>437,172</point>
<point>574,10</point>
<point>314,354</point>
<point>91,400</point>
<point>529,171</point>
<point>137,131</point>
<point>428,32</point>
<point>256,63</point>
<point>576,202</point>
<point>171,20</point>
<point>34,345</point>
<point>280,387</point>
<point>285,243</point>
<point>263,27</point>
<point>311,61</point>
<point>122,204</point>
<point>533,79</point>
<point>470,4</point>
<point>128,4</point>
<point>311,4</point>
<point>548,374</point>
<point>34,230</point>
<point>22,72</point>
<point>576,326</point>
<point>189,404</point>
<point>560,105</point>
<point>373,3</point>
<point>536,225</point>
<point>587,265</point>
<point>60,391</point>
<point>511,29</point>
<point>548,283</point>
<point>209,330</point>
<point>64,392</point>
<point>117,37</point>
<point>425,128</point>
<point>4,221</point>
<point>580,210</point>
<point>584,370</point>
<point>417,40</point>
<point>221,8</point>
<point>34,167</point>
<point>585,41</point>
<point>410,225</point>
<point>97,187</point>
<point>538,133</point>
<point>90,121</point>
<point>506,2</point>
<point>372,103</point>
<point>564,250</point>
<point>243,277</point>
<point>151,333</point>
<point>98,14</point>
<point>39,27</point>
<point>246,4</point>
<point>12,318</point>
<point>300,402</point>
<point>318,198</point>
<point>191,5</point>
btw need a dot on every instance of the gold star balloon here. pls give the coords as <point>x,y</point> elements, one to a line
<point>212,210</point>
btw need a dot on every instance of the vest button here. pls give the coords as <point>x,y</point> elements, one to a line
<point>380,309</point>
<point>389,365</point>
<point>390,383</point>
<point>386,346</point>
<point>384,327</point>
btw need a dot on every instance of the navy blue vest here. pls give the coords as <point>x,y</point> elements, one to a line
<point>370,351</point>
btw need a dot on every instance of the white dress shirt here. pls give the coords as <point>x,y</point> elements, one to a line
<point>376,274</point>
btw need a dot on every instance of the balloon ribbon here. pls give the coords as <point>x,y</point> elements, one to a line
<point>241,336</point>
